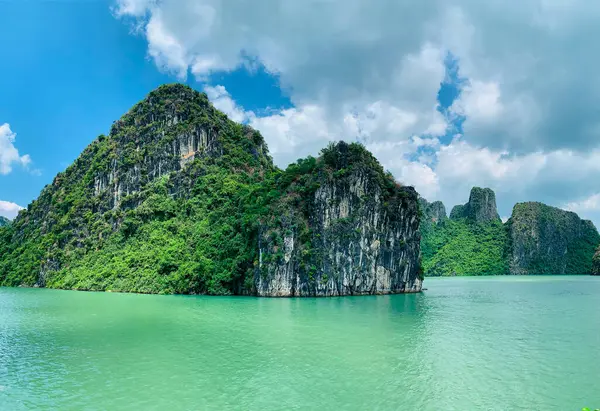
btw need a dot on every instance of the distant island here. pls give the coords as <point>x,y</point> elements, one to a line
<point>180,199</point>
<point>536,239</point>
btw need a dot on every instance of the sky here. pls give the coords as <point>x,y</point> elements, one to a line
<point>448,94</point>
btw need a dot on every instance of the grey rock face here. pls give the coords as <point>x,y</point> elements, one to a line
<point>481,207</point>
<point>358,244</point>
<point>596,262</point>
<point>158,154</point>
<point>121,181</point>
<point>434,213</point>
<point>548,240</point>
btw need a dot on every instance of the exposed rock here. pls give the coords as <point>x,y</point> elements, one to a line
<point>548,240</point>
<point>596,262</point>
<point>356,233</point>
<point>434,213</point>
<point>481,207</point>
<point>537,239</point>
<point>180,199</point>
<point>4,221</point>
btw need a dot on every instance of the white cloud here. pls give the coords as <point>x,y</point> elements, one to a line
<point>479,101</point>
<point>396,157</point>
<point>587,207</point>
<point>372,70</point>
<point>9,210</point>
<point>135,8</point>
<point>221,99</point>
<point>304,130</point>
<point>551,177</point>
<point>296,132</point>
<point>591,203</point>
<point>9,155</point>
<point>337,56</point>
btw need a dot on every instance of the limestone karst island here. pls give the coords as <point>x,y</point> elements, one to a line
<point>179,199</point>
<point>291,205</point>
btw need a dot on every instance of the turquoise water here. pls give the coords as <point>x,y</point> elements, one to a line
<point>501,343</point>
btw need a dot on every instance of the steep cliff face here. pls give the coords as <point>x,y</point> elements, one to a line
<point>596,262</point>
<point>481,207</point>
<point>343,227</point>
<point>547,240</point>
<point>179,199</point>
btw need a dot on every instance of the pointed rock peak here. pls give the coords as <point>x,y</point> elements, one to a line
<point>481,207</point>
<point>175,91</point>
<point>168,104</point>
<point>434,212</point>
<point>340,155</point>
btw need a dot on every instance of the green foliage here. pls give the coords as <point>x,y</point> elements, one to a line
<point>4,221</point>
<point>135,213</point>
<point>568,243</point>
<point>537,239</point>
<point>462,247</point>
<point>190,231</point>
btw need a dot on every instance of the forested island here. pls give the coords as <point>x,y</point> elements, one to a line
<point>536,239</point>
<point>177,198</point>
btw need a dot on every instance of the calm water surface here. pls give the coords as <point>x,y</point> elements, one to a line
<point>502,343</point>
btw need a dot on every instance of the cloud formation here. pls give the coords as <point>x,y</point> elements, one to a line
<point>9,155</point>
<point>9,210</point>
<point>524,122</point>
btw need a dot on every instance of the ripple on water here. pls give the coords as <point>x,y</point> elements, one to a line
<point>465,344</point>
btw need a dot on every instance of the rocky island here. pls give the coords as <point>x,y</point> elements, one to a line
<point>177,198</point>
<point>536,239</point>
<point>342,227</point>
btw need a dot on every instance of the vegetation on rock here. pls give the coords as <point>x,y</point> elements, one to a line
<point>596,262</point>
<point>129,216</point>
<point>173,200</point>
<point>472,242</point>
<point>463,247</point>
<point>548,240</point>
<point>340,225</point>
<point>537,239</point>
<point>481,207</point>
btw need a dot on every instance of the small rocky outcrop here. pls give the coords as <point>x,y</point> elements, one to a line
<point>4,221</point>
<point>481,207</point>
<point>548,240</point>
<point>343,227</point>
<point>596,262</point>
<point>433,213</point>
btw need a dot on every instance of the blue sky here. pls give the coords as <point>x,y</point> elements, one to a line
<point>73,68</point>
<point>447,95</point>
